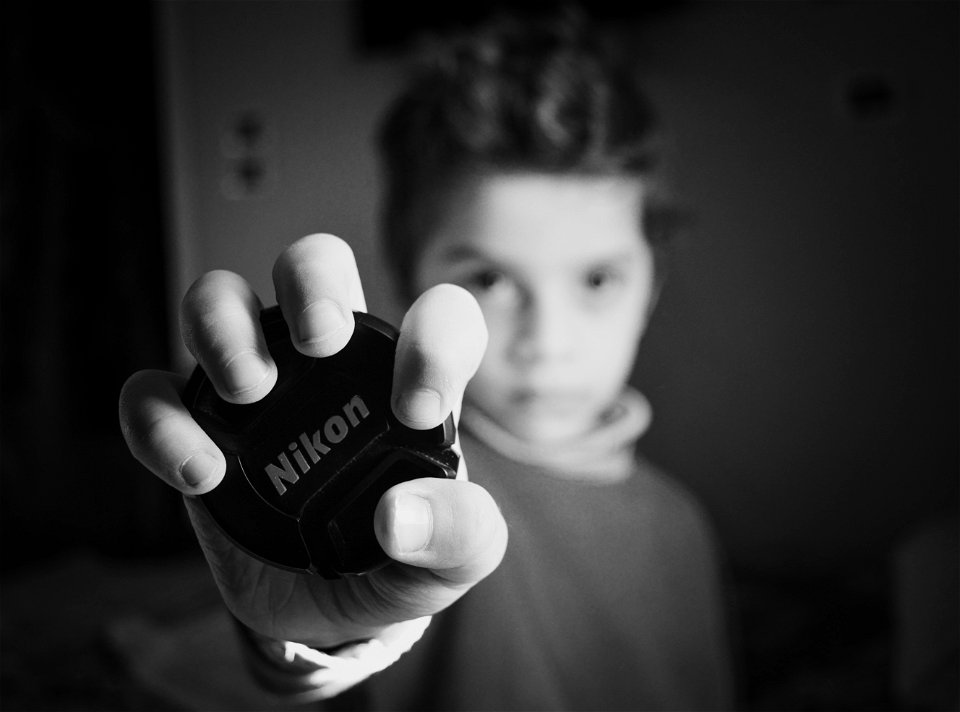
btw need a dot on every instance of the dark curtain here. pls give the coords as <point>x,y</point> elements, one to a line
<point>83,279</point>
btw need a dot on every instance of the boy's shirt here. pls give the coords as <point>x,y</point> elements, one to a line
<point>609,597</point>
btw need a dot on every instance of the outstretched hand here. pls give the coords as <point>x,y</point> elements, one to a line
<point>444,536</point>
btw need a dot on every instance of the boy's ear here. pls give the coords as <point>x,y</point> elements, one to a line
<point>664,222</point>
<point>661,269</point>
<point>659,277</point>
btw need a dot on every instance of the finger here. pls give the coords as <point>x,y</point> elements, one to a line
<point>163,436</point>
<point>451,527</point>
<point>220,325</point>
<point>318,288</point>
<point>441,343</point>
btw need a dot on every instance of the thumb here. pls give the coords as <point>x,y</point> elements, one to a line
<point>452,527</point>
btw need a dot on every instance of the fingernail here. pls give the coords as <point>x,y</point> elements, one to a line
<point>420,407</point>
<point>412,523</point>
<point>319,321</point>
<point>244,372</point>
<point>198,468</point>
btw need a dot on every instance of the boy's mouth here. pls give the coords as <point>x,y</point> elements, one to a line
<point>548,400</point>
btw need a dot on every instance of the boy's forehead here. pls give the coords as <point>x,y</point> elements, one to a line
<point>557,214</point>
<point>520,195</point>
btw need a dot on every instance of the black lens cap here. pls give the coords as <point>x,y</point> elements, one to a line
<point>307,464</point>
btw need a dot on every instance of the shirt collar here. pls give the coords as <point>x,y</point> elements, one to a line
<point>605,453</point>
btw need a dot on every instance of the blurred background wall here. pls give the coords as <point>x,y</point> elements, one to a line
<point>803,359</point>
<point>802,362</point>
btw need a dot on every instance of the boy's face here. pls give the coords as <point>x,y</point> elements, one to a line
<point>565,280</point>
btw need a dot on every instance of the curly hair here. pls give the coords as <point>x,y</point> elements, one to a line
<point>515,94</point>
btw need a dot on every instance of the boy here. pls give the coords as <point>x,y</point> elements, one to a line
<point>517,206</point>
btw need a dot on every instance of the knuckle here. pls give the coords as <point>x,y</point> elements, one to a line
<point>217,316</point>
<point>157,435</point>
<point>487,521</point>
<point>484,507</point>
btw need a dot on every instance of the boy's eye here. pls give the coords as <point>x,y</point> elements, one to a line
<point>600,278</point>
<point>492,286</point>
<point>487,279</point>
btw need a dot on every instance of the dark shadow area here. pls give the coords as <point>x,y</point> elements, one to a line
<point>84,280</point>
<point>83,306</point>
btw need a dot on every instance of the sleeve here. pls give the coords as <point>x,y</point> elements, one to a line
<point>297,673</point>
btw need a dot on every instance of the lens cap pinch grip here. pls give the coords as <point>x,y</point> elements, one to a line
<point>307,465</point>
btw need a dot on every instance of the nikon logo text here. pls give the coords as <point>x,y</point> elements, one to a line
<point>315,446</point>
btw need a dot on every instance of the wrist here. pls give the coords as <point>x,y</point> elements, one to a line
<point>300,673</point>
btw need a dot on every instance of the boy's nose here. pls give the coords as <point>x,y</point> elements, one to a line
<point>545,331</point>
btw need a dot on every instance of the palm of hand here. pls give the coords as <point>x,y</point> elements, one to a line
<point>286,605</point>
